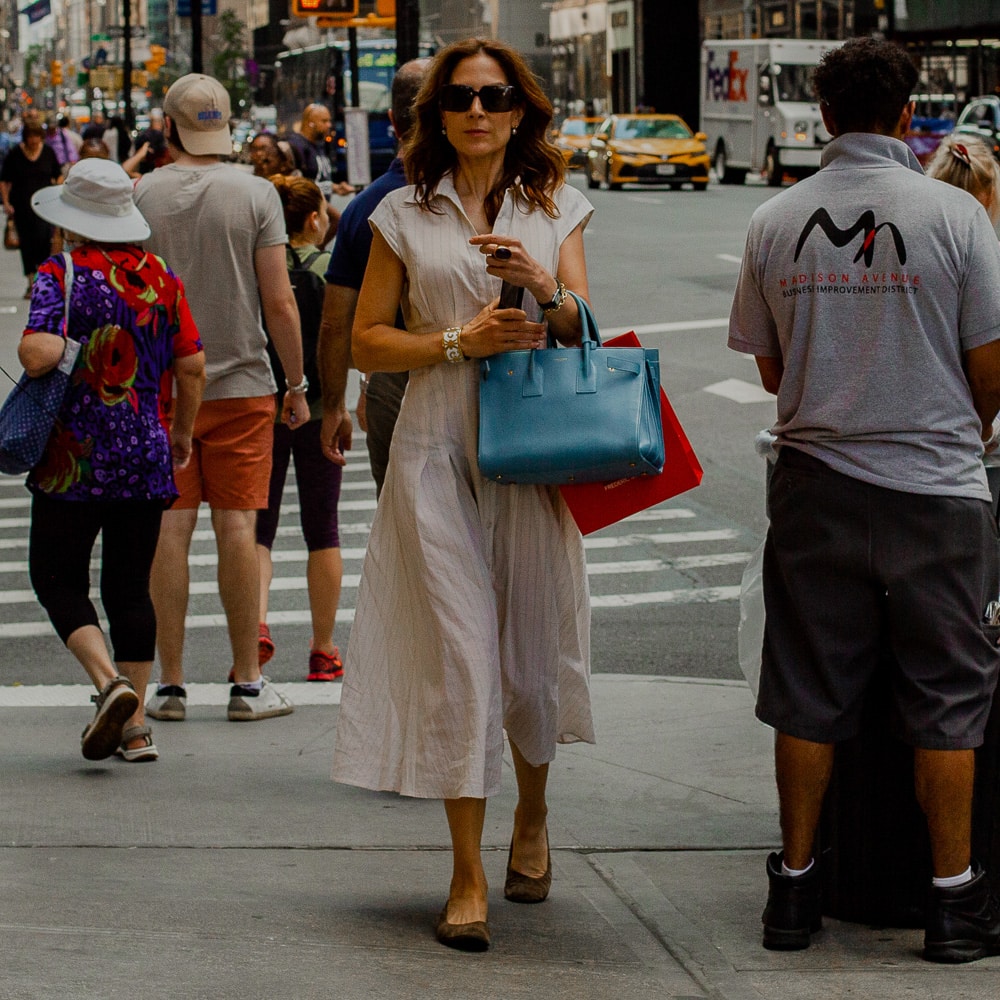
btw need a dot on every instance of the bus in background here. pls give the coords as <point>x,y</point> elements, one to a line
<point>321,74</point>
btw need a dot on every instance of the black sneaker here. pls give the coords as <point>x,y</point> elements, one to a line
<point>793,907</point>
<point>963,922</point>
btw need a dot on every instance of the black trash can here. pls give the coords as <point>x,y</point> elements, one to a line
<point>872,838</point>
<point>872,835</point>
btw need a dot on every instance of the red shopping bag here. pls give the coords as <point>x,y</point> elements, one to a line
<point>596,505</point>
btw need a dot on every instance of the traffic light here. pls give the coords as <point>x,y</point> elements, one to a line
<point>340,9</point>
<point>157,57</point>
<point>55,72</point>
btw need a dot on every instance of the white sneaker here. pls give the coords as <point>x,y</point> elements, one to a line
<point>167,704</point>
<point>248,706</point>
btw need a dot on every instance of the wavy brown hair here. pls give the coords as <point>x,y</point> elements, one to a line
<point>529,155</point>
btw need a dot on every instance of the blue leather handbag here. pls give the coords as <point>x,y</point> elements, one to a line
<point>571,415</point>
<point>30,409</point>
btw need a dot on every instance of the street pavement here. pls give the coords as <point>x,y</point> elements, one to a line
<point>235,868</point>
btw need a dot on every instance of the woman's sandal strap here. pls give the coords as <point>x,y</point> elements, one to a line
<point>134,732</point>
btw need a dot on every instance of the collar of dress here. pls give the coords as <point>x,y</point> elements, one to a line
<point>446,189</point>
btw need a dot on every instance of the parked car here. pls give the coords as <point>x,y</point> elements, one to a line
<point>646,149</point>
<point>981,116</point>
<point>573,139</point>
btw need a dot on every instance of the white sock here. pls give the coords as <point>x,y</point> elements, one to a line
<point>795,872</point>
<point>256,685</point>
<point>952,880</point>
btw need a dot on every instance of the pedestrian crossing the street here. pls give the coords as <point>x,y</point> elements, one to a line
<point>674,554</point>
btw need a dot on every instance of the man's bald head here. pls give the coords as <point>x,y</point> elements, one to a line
<point>316,122</point>
<point>405,86</point>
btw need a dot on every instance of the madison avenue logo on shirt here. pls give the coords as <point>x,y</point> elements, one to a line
<point>837,278</point>
<point>841,237</point>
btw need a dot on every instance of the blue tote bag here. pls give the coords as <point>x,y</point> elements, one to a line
<point>571,415</point>
<point>31,408</point>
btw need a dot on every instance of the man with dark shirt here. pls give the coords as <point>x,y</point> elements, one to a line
<point>382,392</point>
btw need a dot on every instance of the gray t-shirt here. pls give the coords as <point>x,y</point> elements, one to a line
<point>207,222</point>
<point>870,280</point>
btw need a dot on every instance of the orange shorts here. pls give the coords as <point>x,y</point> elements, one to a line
<point>230,465</point>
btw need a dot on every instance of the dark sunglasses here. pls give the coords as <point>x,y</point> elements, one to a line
<point>495,97</point>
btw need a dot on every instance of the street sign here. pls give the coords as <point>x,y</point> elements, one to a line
<point>209,8</point>
<point>342,9</point>
<point>118,31</point>
<point>359,168</point>
<point>103,77</point>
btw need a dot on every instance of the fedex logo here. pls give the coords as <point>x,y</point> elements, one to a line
<point>725,83</point>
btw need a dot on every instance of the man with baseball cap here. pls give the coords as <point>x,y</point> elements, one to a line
<point>225,230</point>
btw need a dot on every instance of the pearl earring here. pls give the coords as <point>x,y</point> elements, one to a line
<point>513,130</point>
<point>444,131</point>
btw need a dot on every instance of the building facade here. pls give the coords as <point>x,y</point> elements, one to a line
<point>593,56</point>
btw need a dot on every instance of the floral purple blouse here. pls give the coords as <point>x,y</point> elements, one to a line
<point>129,312</point>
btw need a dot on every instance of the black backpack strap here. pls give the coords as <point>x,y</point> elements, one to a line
<point>304,264</point>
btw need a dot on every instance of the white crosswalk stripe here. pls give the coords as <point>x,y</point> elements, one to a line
<point>670,555</point>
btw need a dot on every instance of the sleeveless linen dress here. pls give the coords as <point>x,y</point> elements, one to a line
<point>473,610</point>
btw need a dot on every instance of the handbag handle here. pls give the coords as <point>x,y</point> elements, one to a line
<point>590,338</point>
<point>588,322</point>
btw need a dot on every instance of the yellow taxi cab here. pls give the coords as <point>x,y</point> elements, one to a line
<point>646,149</point>
<point>573,139</point>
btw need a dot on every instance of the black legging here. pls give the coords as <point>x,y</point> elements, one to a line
<point>61,540</point>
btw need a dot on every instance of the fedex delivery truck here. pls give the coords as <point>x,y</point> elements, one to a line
<point>758,108</point>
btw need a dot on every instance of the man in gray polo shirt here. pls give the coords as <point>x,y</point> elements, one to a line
<point>870,298</point>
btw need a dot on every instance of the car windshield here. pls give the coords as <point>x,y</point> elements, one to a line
<point>651,128</point>
<point>793,82</point>
<point>574,126</point>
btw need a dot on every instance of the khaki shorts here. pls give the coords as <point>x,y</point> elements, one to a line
<point>230,465</point>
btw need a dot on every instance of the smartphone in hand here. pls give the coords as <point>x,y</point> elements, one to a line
<point>511,296</point>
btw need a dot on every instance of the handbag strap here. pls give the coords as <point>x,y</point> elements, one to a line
<point>68,283</point>
<point>588,323</point>
<point>71,346</point>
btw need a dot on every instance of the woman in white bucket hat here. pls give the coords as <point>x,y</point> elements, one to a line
<point>108,464</point>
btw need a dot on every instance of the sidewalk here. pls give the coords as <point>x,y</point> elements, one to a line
<point>234,868</point>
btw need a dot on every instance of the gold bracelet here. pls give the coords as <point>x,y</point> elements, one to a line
<point>555,303</point>
<point>452,343</point>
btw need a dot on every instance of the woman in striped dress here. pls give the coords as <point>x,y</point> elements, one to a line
<point>473,609</point>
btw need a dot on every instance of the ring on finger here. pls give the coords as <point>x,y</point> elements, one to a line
<point>502,253</point>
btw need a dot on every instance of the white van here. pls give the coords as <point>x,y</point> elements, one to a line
<point>758,109</point>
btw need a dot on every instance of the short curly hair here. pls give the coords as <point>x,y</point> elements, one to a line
<point>865,84</point>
